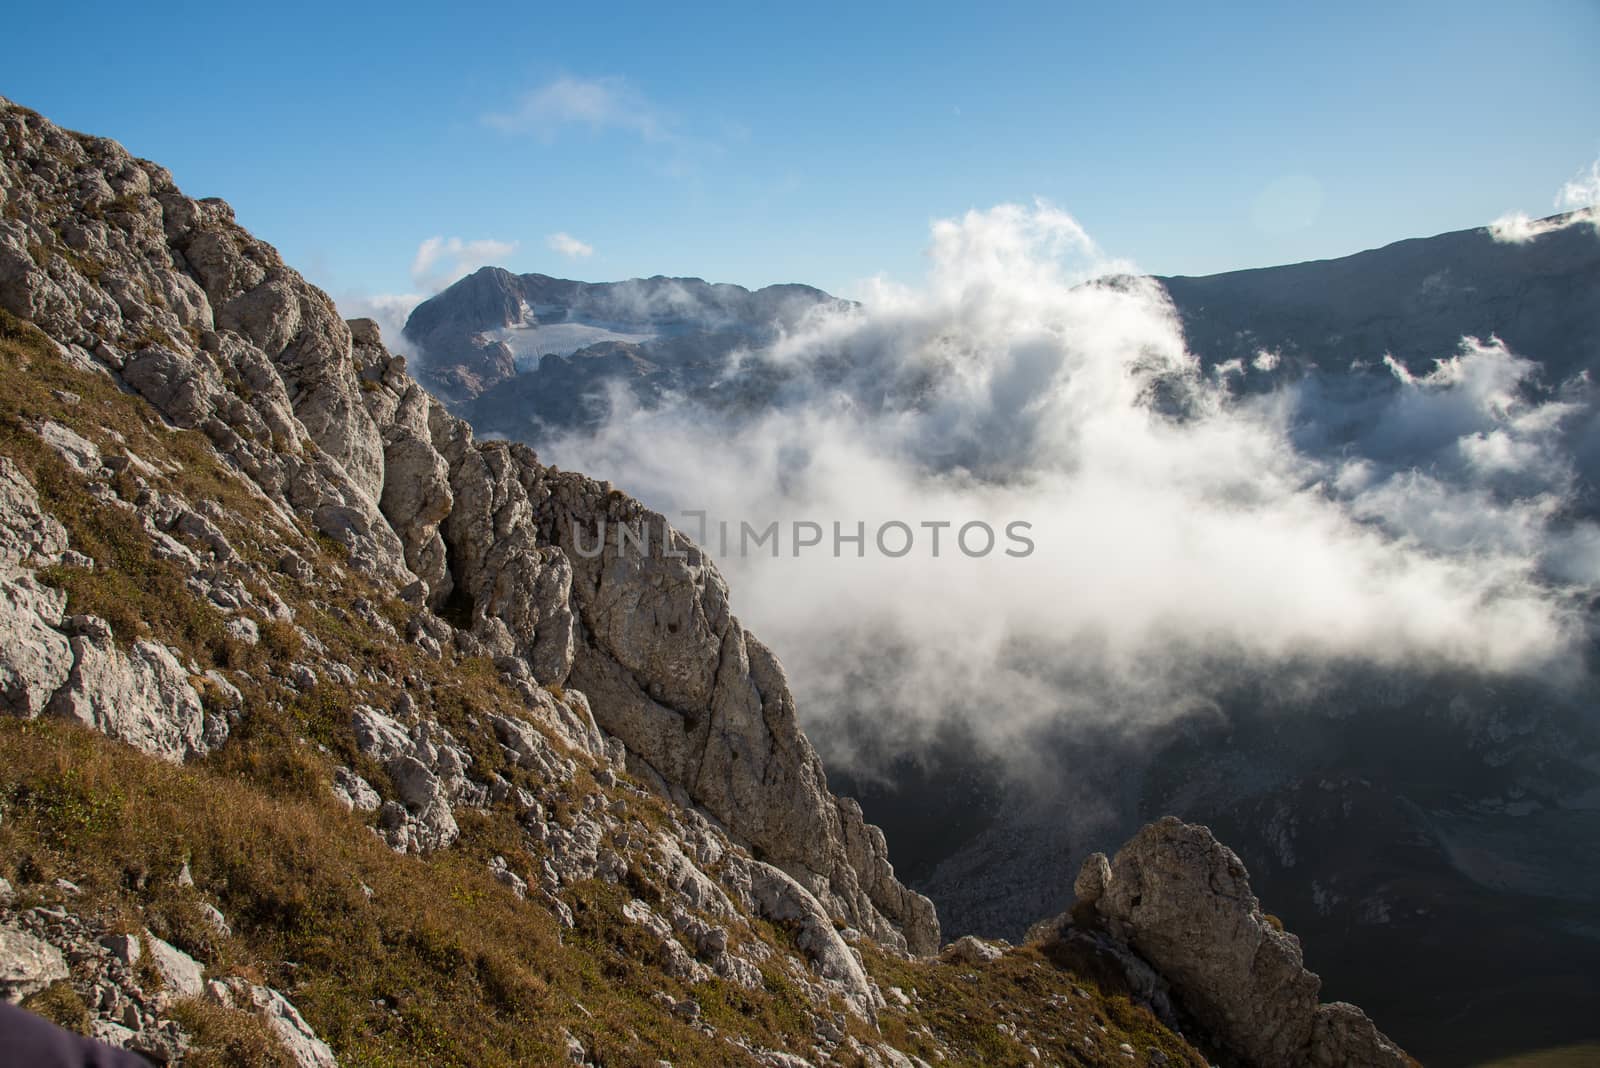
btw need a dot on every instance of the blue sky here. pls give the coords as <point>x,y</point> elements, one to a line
<point>763,143</point>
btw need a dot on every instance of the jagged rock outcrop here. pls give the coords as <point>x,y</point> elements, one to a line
<point>170,297</point>
<point>511,590</point>
<point>27,533</point>
<point>779,897</point>
<point>71,667</point>
<point>1182,901</point>
<point>35,657</point>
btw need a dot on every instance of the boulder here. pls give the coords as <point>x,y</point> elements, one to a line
<point>181,975</point>
<point>1182,901</point>
<point>970,949</point>
<point>28,965</point>
<point>78,451</point>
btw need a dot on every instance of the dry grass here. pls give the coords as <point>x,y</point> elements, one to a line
<point>977,1011</point>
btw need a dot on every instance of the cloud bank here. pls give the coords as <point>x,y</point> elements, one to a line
<point>1384,519</point>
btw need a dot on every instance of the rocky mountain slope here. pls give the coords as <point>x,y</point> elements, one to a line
<point>331,739</point>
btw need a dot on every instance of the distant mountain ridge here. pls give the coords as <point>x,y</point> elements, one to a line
<point>525,355</point>
<point>492,324</point>
<point>1412,299</point>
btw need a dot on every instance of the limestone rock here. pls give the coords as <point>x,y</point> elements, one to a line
<point>78,451</point>
<point>35,658</point>
<point>27,964</point>
<point>779,898</point>
<point>1342,1035</point>
<point>428,771</point>
<point>511,589</point>
<point>27,532</point>
<point>181,975</point>
<point>703,705</point>
<point>1182,901</point>
<point>1092,880</point>
<point>478,539</point>
<point>527,748</point>
<point>416,494</point>
<point>142,697</point>
<point>970,949</point>
<point>354,792</point>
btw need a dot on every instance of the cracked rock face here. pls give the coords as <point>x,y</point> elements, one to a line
<point>703,705</point>
<point>142,697</point>
<point>35,657</point>
<point>1182,901</point>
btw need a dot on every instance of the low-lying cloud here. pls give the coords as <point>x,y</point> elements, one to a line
<point>1387,519</point>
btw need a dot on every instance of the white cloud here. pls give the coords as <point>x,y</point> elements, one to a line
<point>1579,197</point>
<point>598,103</point>
<point>1007,389</point>
<point>569,246</point>
<point>442,260</point>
